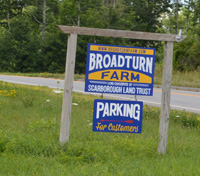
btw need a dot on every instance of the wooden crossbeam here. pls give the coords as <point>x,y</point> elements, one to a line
<point>121,34</point>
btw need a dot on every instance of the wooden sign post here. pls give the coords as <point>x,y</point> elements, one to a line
<point>167,74</point>
<point>68,88</point>
<point>166,95</point>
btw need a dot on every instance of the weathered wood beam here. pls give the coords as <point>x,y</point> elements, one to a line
<point>68,88</point>
<point>166,95</point>
<point>121,34</point>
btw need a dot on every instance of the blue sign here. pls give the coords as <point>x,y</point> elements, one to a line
<point>117,116</point>
<point>120,70</point>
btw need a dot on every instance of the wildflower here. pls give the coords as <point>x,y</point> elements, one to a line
<point>47,100</point>
<point>10,93</point>
<point>75,104</point>
<point>58,91</point>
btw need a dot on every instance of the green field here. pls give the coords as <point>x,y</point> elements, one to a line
<point>29,139</point>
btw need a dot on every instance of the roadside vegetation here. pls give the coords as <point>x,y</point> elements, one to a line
<point>179,78</point>
<point>29,139</point>
<point>183,79</point>
<point>45,75</point>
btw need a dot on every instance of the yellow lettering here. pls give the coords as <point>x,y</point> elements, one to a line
<point>100,126</point>
<point>120,76</point>
<point>119,127</point>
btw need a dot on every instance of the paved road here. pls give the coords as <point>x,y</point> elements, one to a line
<point>180,99</point>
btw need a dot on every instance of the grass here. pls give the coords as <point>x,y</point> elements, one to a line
<point>29,135</point>
<point>183,79</point>
<point>45,75</point>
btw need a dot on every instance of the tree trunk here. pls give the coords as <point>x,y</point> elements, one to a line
<point>188,16</point>
<point>44,20</point>
<point>79,13</point>
<point>176,16</point>
<point>114,4</point>
<point>187,26</point>
<point>8,18</point>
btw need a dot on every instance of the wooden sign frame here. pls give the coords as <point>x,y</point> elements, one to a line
<point>70,65</point>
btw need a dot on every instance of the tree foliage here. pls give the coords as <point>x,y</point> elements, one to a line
<point>186,53</point>
<point>31,42</point>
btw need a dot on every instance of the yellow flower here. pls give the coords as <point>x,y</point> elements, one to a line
<point>11,93</point>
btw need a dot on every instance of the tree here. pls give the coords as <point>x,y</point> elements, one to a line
<point>188,10</point>
<point>147,13</point>
<point>8,10</point>
<point>31,42</point>
<point>196,19</point>
<point>20,47</point>
<point>40,11</point>
<point>187,54</point>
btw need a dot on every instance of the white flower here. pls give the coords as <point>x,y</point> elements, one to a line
<point>47,100</point>
<point>75,104</point>
<point>58,91</point>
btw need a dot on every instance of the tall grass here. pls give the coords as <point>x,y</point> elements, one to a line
<point>184,79</point>
<point>29,136</point>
